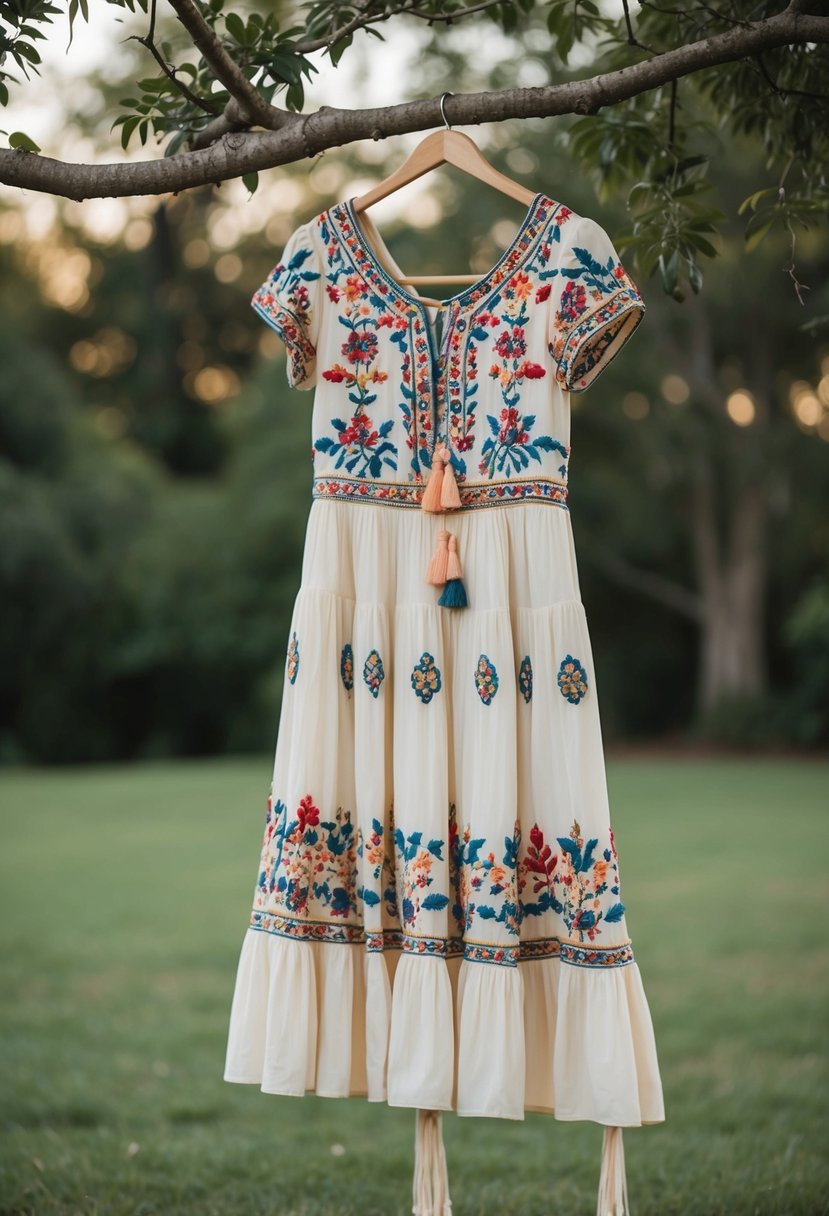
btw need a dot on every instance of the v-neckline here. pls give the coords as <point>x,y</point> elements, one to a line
<point>374,256</point>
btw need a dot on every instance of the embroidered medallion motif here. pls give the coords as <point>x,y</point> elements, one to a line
<point>572,679</point>
<point>426,678</point>
<point>525,678</point>
<point>293,658</point>
<point>486,679</point>
<point>347,667</point>
<point>373,672</point>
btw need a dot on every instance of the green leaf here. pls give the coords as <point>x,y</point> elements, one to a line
<point>339,48</point>
<point>236,27</point>
<point>754,236</point>
<point>251,181</point>
<point>22,142</point>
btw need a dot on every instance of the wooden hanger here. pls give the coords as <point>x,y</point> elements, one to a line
<point>445,147</point>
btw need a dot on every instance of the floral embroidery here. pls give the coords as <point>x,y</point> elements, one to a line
<point>373,672</point>
<point>537,872</point>
<point>414,868</point>
<point>426,678</point>
<point>483,886</point>
<point>293,658</point>
<point>347,667</point>
<point>361,448</point>
<point>486,679</point>
<point>583,880</point>
<point>572,679</point>
<point>309,882</point>
<point>525,678</point>
<point>598,304</point>
<point>308,861</point>
<point>379,869</point>
<point>283,300</point>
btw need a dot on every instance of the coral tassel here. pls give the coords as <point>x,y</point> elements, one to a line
<point>436,573</point>
<point>613,1194</point>
<point>434,486</point>
<point>450,498</point>
<point>454,593</point>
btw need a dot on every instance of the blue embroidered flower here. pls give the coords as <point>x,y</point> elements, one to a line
<point>347,667</point>
<point>426,678</point>
<point>486,679</point>
<point>373,672</point>
<point>572,679</point>
<point>525,678</point>
<point>293,658</point>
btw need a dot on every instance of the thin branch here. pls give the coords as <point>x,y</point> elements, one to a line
<point>653,586</point>
<point>226,69</point>
<point>367,17</point>
<point>632,39</point>
<point>451,18</point>
<point>148,41</point>
<point>237,154</point>
<point>786,92</point>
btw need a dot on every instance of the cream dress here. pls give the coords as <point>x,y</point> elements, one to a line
<point>437,916</point>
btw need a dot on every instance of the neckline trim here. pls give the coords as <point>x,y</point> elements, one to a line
<point>536,215</point>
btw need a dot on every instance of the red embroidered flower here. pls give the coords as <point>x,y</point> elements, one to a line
<point>618,272</point>
<point>511,345</point>
<point>334,293</point>
<point>361,346</point>
<point>307,813</point>
<point>335,374</point>
<point>573,301</point>
<point>532,371</point>
<point>542,293</point>
<point>359,431</point>
<point>512,428</point>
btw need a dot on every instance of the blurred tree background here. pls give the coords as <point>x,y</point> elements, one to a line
<point>155,467</point>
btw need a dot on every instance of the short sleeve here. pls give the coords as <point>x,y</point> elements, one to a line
<point>595,308</point>
<point>289,300</point>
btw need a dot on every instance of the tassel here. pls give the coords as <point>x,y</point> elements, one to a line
<point>436,572</point>
<point>430,1188</point>
<point>454,593</point>
<point>431,495</point>
<point>613,1192</point>
<point>450,498</point>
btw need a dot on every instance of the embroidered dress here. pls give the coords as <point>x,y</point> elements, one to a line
<point>438,917</point>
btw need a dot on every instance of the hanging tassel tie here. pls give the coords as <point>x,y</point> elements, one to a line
<point>613,1193</point>
<point>438,566</point>
<point>454,593</point>
<point>434,486</point>
<point>441,491</point>
<point>430,1188</point>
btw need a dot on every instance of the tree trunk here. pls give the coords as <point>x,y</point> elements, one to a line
<point>732,582</point>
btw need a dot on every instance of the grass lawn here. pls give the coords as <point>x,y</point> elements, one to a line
<point>125,896</point>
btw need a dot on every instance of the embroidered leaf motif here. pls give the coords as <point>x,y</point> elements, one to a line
<point>435,902</point>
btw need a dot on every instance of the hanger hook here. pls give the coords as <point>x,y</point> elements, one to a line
<point>442,111</point>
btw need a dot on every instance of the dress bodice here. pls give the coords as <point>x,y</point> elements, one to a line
<point>493,388</point>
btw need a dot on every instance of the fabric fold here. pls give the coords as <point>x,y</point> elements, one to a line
<point>491,1050</point>
<point>422,1039</point>
<point>604,1058</point>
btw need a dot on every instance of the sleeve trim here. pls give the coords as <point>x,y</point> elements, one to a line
<point>598,336</point>
<point>301,352</point>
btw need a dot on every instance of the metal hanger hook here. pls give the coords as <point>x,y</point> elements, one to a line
<point>442,111</point>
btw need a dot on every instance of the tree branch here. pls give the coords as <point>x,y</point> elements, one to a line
<point>653,586</point>
<point>228,72</point>
<point>247,152</point>
<point>148,41</point>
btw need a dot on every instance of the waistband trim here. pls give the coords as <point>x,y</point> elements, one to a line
<point>409,494</point>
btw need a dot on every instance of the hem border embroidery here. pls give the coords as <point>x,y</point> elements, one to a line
<point>377,941</point>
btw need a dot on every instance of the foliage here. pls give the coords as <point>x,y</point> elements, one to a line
<point>657,145</point>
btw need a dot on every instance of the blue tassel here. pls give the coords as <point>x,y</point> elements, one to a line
<point>454,594</point>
